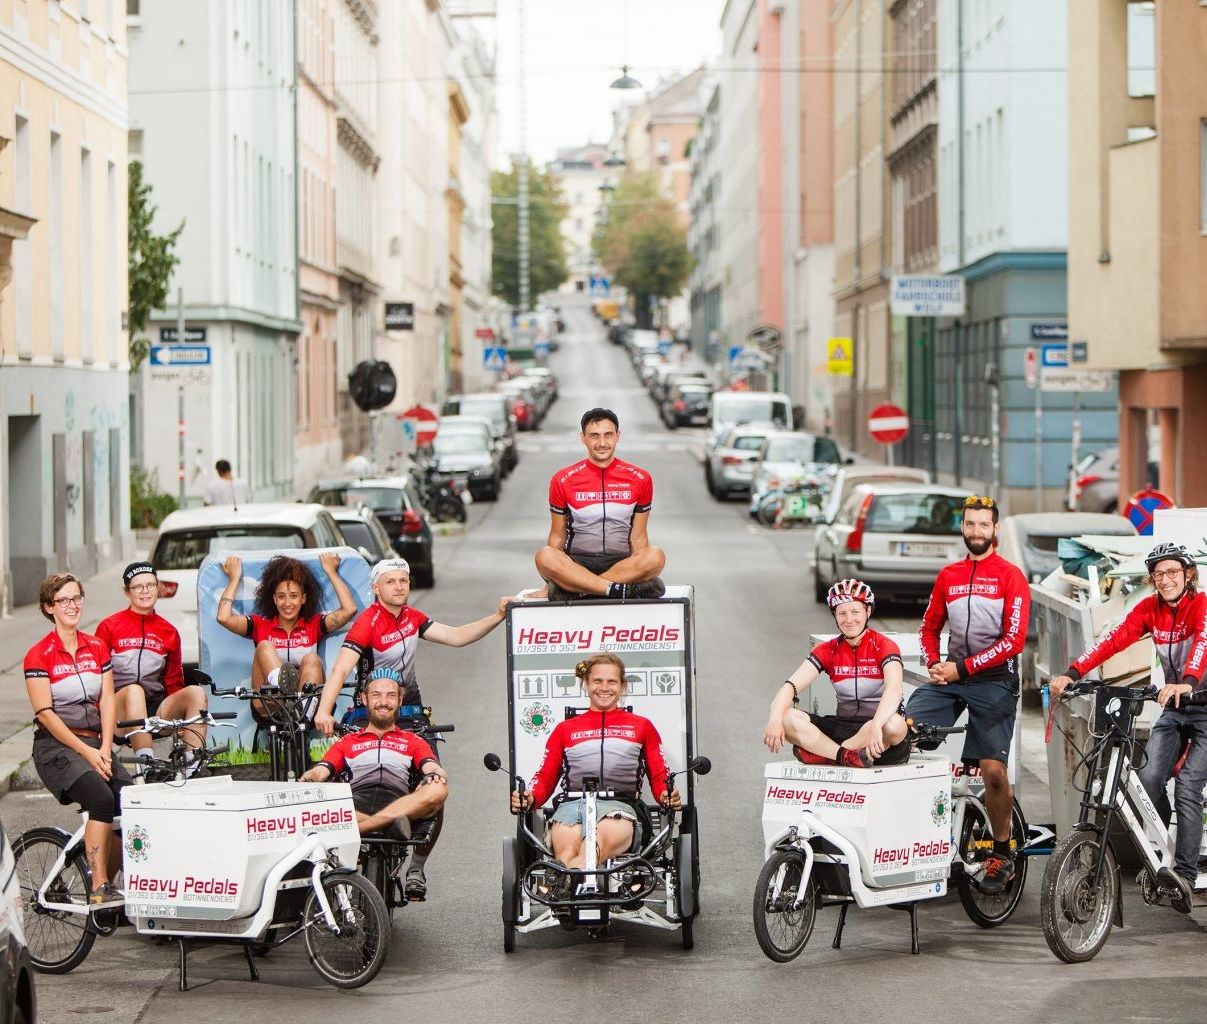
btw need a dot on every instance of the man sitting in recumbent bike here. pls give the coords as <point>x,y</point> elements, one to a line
<point>611,744</point>
<point>379,762</point>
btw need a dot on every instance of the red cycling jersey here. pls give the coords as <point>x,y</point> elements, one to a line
<point>856,672</point>
<point>985,603</point>
<point>75,681</point>
<point>144,649</point>
<point>1179,634</point>
<point>292,645</point>
<point>599,505</point>
<point>608,745</point>
<point>389,760</point>
<point>391,641</point>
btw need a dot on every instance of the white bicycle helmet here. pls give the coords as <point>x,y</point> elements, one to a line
<point>1168,552</point>
<point>850,590</point>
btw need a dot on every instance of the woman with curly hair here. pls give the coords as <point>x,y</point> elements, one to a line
<point>286,624</point>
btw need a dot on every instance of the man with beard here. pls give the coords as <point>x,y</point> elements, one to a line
<point>380,762</point>
<point>985,602</point>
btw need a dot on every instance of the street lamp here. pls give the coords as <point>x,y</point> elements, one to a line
<point>625,81</point>
<point>606,187</point>
<point>613,159</point>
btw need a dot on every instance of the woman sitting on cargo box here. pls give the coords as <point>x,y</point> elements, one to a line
<point>865,668</point>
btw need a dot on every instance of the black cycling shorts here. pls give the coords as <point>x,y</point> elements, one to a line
<point>992,708</point>
<point>839,729</point>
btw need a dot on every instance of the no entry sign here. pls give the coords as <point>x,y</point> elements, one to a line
<point>888,424</point>
<point>423,421</point>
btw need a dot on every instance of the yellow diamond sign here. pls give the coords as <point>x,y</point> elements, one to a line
<point>840,358</point>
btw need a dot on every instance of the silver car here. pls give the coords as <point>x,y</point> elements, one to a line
<point>729,464</point>
<point>895,537</point>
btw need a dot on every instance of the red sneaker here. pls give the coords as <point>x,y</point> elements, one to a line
<point>853,758</point>
<point>808,757</point>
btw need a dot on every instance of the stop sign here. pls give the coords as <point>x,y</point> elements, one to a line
<point>888,424</point>
<point>423,422</point>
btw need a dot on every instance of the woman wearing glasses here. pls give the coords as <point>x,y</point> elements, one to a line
<point>1176,619</point>
<point>144,647</point>
<point>69,679</point>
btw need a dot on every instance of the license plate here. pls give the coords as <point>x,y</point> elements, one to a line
<point>913,549</point>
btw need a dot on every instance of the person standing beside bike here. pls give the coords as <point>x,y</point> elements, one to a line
<point>985,602</point>
<point>387,635</point>
<point>144,648</point>
<point>1176,619</point>
<point>69,679</point>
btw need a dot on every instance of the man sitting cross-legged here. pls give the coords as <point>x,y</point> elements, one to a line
<point>379,763</point>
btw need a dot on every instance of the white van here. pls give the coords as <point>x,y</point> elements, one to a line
<point>728,408</point>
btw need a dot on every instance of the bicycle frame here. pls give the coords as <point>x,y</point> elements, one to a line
<point>73,841</point>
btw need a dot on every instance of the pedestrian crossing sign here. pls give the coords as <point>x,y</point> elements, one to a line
<point>840,357</point>
<point>494,357</point>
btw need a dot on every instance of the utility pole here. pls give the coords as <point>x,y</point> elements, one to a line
<point>858,264</point>
<point>180,470</point>
<point>522,170</point>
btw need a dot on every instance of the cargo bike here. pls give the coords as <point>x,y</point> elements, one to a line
<point>656,882</point>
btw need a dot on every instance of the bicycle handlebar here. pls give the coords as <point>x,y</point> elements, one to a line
<point>176,723</point>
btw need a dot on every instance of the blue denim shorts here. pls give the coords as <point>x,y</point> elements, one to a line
<point>570,812</point>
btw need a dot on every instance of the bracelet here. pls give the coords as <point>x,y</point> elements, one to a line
<point>795,692</point>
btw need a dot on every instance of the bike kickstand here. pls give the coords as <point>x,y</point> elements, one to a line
<point>251,962</point>
<point>842,920</point>
<point>912,910</point>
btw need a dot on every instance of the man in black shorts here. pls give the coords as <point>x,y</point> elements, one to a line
<point>600,508</point>
<point>985,601</point>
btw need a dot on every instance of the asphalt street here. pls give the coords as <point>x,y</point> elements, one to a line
<point>754,613</point>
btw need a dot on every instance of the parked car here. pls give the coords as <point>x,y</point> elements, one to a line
<point>363,530</point>
<point>617,332</point>
<point>185,537</point>
<point>676,374</point>
<point>469,457</point>
<point>895,537</point>
<point>732,407</point>
<point>479,427</point>
<point>541,392</point>
<point>850,477</point>
<point>497,408</point>
<point>729,465</point>
<point>1094,482</point>
<point>1030,541</point>
<point>396,502</point>
<point>547,375</point>
<point>686,404</point>
<point>789,455</point>
<point>18,996</point>
<point>523,404</point>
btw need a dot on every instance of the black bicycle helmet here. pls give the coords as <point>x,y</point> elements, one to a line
<point>1164,552</point>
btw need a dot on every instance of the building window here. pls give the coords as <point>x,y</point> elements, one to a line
<point>1141,49</point>
<point>1203,175</point>
<point>22,259</point>
<point>84,296</point>
<point>55,231</point>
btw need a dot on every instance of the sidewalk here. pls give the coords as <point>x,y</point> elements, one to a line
<point>102,597</point>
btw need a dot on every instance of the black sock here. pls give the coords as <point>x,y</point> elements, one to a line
<point>1001,847</point>
<point>616,590</point>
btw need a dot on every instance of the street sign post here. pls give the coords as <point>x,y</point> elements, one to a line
<point>927,295</point>
<point>1142,505</point>
<point>840,357</point>
<point>888,424</point>
<point>766,337</point>
<point>494,357</point>
<point>422,421</point>
<point>1031,368</point>
<point>180,355</point>
<point>1055,378</point>
<point>399,316</point>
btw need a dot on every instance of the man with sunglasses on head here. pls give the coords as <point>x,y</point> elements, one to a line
<point>985,602</point>
<point>1176,619</point>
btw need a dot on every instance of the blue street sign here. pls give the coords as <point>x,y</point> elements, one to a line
<point>540,349</point>
<point>180,355</point>
<point>664,346</point>
<point>735,353</point>
<point>494,357</point>
<point>1054,354</point>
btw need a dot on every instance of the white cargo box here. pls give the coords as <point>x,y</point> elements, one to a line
<point>898,818</point>
<point>203,849</point>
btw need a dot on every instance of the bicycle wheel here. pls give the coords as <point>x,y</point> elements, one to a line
<point>58,940</point>
<point>990,909</point>
<point>450,510</point>
<point>769,509</point>
<point>352,956</point>
<point>1077,915</point>
<point>783,929</point>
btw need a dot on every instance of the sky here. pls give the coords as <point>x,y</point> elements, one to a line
<point>575,49</point>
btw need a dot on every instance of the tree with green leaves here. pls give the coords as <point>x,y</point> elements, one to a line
<point>547,252</point>
<point>152,260</point>
<point>643,242</point>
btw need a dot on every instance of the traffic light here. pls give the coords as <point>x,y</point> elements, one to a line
<point>372,385</point>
